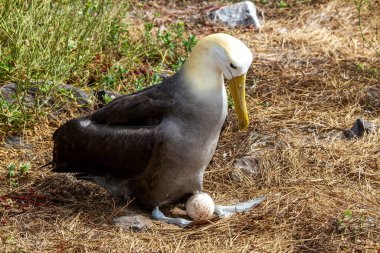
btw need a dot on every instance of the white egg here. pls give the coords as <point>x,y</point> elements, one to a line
<point>200,206</point>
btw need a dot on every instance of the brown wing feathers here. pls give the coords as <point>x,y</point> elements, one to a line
<point>118,140</point>
<point>134,110</point>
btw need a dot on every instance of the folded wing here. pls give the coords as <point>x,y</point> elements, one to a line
<point>118,140</point>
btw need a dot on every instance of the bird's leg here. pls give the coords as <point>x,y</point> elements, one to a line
<point>158,215</point>
<point>226,211</point>
<point>221,211</point>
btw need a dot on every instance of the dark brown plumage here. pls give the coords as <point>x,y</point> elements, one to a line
<point>156,144</point>
<point>119,139</point>
<point>122,143</point>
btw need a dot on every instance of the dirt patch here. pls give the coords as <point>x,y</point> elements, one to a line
<point>309,81</point>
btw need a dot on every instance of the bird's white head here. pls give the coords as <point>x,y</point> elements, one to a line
<point>230,54</point>
<point>217,55</point>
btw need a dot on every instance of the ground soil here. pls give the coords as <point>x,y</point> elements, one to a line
<point>311,79</point>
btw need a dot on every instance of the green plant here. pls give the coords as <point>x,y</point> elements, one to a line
<point>230,101</point>
<point>142,59</point>
<point>12,118</point>
<point>372,40</point>
<point>48,40</point>
<point>174,43</point>
<point>344,221</point>
<point>348,214</point>
<point>107,98</point>
<point>24,169</point>
<point>15,173</point>
<point>44,43</point>
<point>360,66</point>
<point>368,70</point>
<point>282,4</point>
<point>5,65</point>
<point>11,170</point>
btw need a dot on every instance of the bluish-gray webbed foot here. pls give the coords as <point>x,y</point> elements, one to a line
<point>227,211</point>
<point>219,210</point>
<point>180,222</point>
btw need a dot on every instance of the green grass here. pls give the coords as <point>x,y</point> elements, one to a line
<point>282,4</point>
<point>15,173</point>
<point>370,40</point>
<point>49,40</point>
<point>90,44</point>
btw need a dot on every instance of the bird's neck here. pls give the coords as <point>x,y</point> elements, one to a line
<point>205,84</point>
<point>204,77</point>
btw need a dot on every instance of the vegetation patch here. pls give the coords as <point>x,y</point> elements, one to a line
<point>90,44</point>
<point>315,71</point>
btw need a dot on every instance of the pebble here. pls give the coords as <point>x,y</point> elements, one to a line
<point>359,128</point>
<point>133,222</point>
<point>239,14</point>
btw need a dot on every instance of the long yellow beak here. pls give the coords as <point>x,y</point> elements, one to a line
<point>237,89</point>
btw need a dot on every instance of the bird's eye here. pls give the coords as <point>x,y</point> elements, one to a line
<point>233,66</point>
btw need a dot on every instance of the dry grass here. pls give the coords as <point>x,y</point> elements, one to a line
<point>323,191</point>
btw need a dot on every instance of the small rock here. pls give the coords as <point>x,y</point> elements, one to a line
<point>80,95</point>
<point>283,30</point>
<point>247,165</point>
<point>371,96</point>
<point>360,127</point>
<point>16,142</point>
<point>13,140</point>
<point>133,222</point>
<point>321,18</point>
<point>239,14</point>
<point>162,29</point>
<point>10,91</point>
<point>164,75</point>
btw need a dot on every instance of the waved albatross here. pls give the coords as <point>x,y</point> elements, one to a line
<point>155,144</point>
